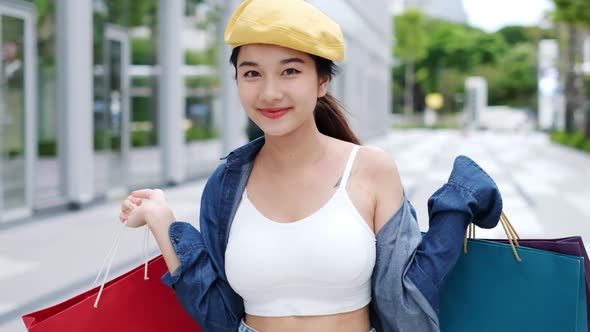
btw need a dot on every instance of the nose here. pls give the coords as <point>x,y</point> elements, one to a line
<point>271,92</point>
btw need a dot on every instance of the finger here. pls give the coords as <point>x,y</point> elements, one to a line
<point>131,206</point>
<point>142,193</point>
<point>123,217</point>
<point>134,200</point>
<point>128,206</point>
<point>124,206</point>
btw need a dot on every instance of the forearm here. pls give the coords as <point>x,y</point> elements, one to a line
<point>442,245</point>
<point>159,221</point>
<point>469,196</point>
<point>199,287</point>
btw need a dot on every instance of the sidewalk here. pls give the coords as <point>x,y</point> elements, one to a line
<point>59,256</point>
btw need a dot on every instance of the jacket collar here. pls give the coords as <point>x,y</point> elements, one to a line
<point>244,154</point>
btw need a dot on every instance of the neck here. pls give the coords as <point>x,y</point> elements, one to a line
<point>298,149</point>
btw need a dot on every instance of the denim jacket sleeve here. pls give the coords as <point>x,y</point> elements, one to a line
<point>470,195</point>
<point>199,282</point>
<point>398,304</point>
<point>411,268</point>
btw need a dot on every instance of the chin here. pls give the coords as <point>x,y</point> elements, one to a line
<point>279,128</point>
<point>277,132</point>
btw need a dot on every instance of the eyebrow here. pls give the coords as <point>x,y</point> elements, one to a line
<point>294,59</point>
<point>283,62</point>
<point>248,63</point>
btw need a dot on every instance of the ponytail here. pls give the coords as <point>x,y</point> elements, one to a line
<point>331,120</point>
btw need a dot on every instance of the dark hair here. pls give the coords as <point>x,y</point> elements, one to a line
<point>329,114</point>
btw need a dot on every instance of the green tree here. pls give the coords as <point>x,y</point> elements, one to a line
<point>519,75</point>
<point>573,11</point>
<point>456,51</point>
<point>459,47</point>
<point>514,34</point>
<point>410,47</point>
<point>452,82</point>
<point>507,59</point>
<point>497,95</point>
<point>131,13</point>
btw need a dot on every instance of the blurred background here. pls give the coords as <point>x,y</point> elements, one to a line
<point>100,97</point>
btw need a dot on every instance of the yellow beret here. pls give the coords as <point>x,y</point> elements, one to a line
<point>294,24</point>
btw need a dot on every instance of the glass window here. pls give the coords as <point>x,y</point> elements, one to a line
<point>201,53</point>
<point>131,88</point>
<point>48,187</point>
<point>200,42</point>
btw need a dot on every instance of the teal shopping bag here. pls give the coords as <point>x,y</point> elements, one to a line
<point>490,290</point>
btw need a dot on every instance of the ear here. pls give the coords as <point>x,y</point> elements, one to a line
<point>323,87</point>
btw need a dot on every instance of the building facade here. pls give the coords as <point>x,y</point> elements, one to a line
<point>100,97</point>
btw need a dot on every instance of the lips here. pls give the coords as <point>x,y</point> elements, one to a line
<point>275,112</point>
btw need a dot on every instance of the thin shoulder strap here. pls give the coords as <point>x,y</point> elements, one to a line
<point>349,166</point>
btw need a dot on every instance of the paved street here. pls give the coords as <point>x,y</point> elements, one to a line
<point>546,190</point>
<point>545,187</point>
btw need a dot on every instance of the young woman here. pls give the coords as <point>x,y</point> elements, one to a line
<point>303,229</point>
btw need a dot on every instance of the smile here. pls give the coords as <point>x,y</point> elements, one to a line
<point>274,113</point>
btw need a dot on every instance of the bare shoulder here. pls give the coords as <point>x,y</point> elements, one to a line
<point>378,163</point>
<point>380,169</point>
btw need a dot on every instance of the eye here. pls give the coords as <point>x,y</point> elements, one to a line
<point>251,74</point>
<point>291,71</point>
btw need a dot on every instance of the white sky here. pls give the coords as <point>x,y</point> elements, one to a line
<point>491,15</point>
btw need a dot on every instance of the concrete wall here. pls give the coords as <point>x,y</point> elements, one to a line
<point>366,91</point>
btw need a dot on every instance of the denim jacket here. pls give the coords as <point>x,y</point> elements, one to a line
<point>410,267</point>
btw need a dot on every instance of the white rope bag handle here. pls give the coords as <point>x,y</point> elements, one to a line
<point>111,256</point>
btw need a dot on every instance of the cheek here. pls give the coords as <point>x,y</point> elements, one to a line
<point>247,94</point>
<point>304,94</point>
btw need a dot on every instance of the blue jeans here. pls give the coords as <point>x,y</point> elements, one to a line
<point>245,328</point>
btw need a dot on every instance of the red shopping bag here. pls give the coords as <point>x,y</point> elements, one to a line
<point>128,303</point>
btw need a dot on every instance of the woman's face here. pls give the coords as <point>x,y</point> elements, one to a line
<point>278,87</point>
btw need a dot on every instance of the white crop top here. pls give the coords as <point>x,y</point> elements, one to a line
<point>319,265</point>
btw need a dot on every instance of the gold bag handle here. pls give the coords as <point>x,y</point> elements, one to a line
<point>508,229</point>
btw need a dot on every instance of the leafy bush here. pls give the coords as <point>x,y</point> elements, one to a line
<point>143,51</point>
<point>47,148</point>
<point>100,140</point>
<point>140,138</point>
<point>575,140</point>
<point>200,133</point>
